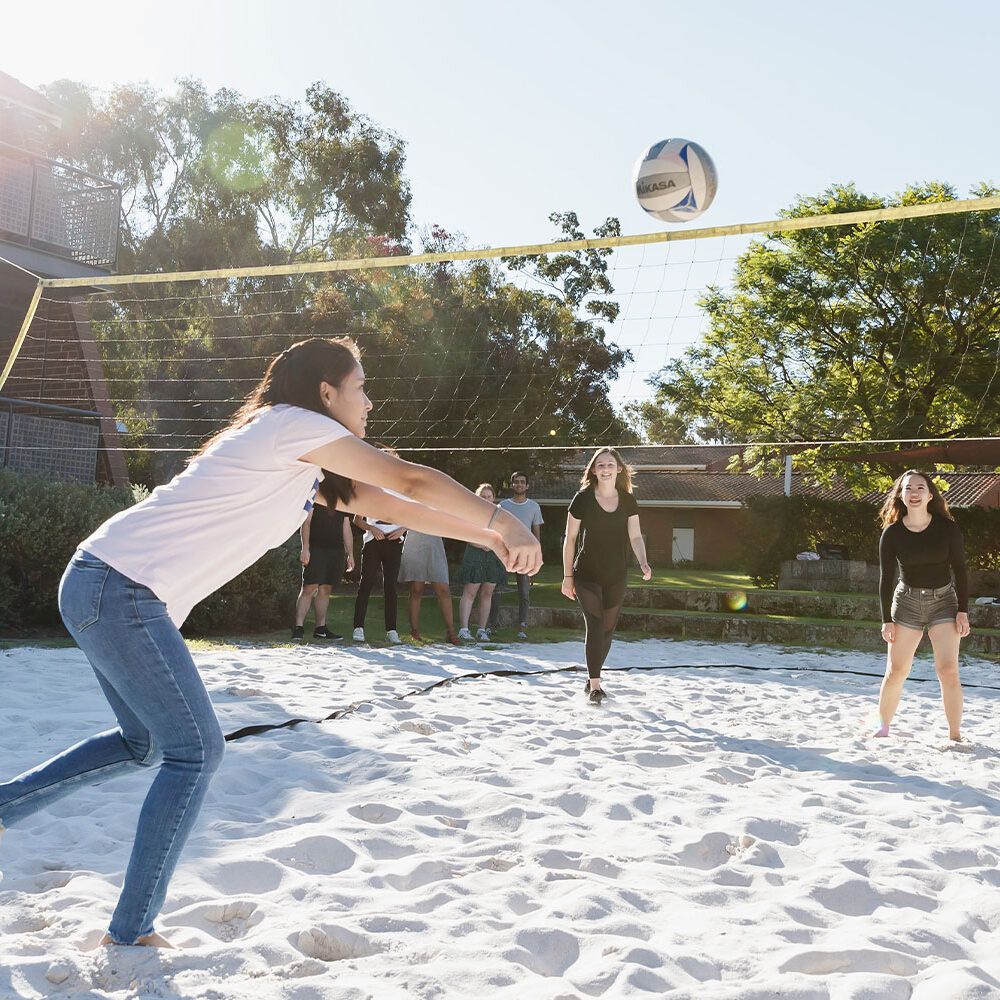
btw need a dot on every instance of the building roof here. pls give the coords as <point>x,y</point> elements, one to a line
<point>714,488</point>
<point>12,91</point>
<point>970,451</point>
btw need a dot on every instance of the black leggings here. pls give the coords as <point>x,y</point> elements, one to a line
<point>386,554</point>
<point>601,604</point>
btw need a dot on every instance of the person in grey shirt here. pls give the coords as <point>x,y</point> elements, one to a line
<point>530,515</point>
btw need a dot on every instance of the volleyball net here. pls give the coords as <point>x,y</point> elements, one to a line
<point>547,347</point>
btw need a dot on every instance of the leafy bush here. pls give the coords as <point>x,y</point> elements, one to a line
<point>42,522</point>
<point>260,598</point>
<point>780,527</point>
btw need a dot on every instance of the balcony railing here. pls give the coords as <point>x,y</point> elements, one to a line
<point>55,208</point>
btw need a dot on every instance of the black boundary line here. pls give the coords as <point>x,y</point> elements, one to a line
<point>257,730</point>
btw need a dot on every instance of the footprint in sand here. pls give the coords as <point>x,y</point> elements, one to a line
<point>644,803</point>
<point>421,728</point>
<point>383,849</point>
<point>775,829</point>
<point>646,758</point>
<point>234,878</point>
<point>955,859</point>
<point>572,803</point>
<point>867,960</point>
<point>227,920</point>
<point>316,855</point>
<point>423,874</point>
<point>544,952</point>
<point>729,775</point>
<point>24,921</point>
<point>712,850</point>
<point>499,863</point>
<point>330,943</point>
<point>375,812</point>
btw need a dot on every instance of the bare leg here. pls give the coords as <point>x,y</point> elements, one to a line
<point>945,640</point>
<point>485,603</point>
<point>416,594</point>
<point>320,605</point>
<point>305,598</point>
<point>444,600</point>
<point>465,604</point>
<point>899,659</point>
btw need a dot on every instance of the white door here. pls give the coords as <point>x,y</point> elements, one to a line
<point>683,548</point>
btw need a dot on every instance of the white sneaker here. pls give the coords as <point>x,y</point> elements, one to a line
<point>522,634</point>
<point>482,635</point>
<point>359,635</point>
<point>465,635</point>
<point>393,637</point>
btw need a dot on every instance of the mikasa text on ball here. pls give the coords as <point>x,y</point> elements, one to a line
<point>675,180</point>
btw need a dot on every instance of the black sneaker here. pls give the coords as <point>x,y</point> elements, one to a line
<point>324,633</point>
<point>298,633</point>
<point>596,696</point>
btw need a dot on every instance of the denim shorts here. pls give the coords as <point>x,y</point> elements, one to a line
<point>920,608</point>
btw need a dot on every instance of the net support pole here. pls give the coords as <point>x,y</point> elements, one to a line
<point>28,317</point>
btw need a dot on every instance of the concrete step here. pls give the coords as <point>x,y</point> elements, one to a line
<point>737,627</point>
<point>838,607</point>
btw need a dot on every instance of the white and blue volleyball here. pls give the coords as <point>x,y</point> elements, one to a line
<point>675,180</point>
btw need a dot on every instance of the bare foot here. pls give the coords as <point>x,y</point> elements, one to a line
<point>153,940</point>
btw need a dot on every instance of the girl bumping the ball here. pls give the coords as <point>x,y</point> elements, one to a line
<point>131,584</point>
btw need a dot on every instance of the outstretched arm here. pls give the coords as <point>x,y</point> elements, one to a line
<point>360,462</point>
<point>397,510</point>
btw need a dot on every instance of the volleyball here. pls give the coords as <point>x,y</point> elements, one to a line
<point>675,180</point>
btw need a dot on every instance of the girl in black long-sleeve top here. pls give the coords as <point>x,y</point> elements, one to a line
<point>921,542</point>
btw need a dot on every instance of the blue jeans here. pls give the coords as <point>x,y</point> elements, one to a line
<point>164,718</point>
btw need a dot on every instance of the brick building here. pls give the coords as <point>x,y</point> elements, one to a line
<point>692,509</point>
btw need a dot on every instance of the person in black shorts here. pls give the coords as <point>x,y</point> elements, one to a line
<point>921,540</point>
<point>327,549</point>
<point>605,516</point>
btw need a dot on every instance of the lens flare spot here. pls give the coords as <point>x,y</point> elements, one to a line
<point>736,600</point>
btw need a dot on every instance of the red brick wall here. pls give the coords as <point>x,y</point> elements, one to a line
<point>717,532</point>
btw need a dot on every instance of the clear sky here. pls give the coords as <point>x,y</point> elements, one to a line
<point>513,110</point>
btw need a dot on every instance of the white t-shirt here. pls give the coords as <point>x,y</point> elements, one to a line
<point>386,527</point>
<point>248,493</point>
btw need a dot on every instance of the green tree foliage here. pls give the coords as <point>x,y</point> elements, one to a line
<point>477,355</point>
<point>885,330</point>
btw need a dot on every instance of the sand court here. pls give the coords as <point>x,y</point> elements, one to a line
<point>711,833</point>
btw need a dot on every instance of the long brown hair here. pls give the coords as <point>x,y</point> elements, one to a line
<point>294,378</point>
<point>894,509</point>
<point>623,481</point>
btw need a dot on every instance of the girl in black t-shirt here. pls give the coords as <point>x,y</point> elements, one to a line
<point>607,515</point>
<point>921,541</point>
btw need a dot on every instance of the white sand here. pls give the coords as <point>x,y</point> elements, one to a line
<point>706,833</point>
